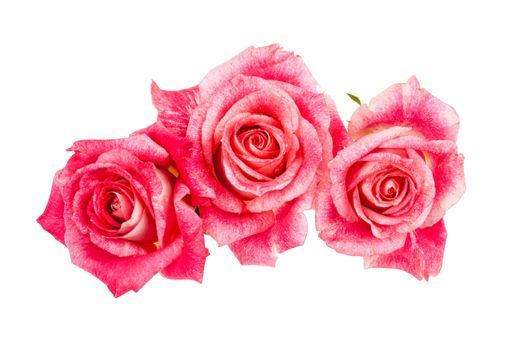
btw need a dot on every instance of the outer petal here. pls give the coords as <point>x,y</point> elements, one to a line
<point>408,105</point>
<point>269,62</point>
<point>120,274</point>
<point>421,256</point>
<point>289,231</point>
<point>175,107</point>
<point>141,146</point>
<point>450,185</point>
<point>227,227</point>
<point>190,263</point>
<point>52,220</point>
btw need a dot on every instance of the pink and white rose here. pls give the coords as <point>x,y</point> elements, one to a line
<point>124,215</point>
<point>388,190</point>
<point>259,135</point>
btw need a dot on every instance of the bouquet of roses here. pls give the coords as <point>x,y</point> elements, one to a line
<point>240,157</point>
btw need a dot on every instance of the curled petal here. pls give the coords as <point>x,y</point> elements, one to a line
<point>227,227</point>
<point>190,263</point>
<point>175,107</point>
<point>237,180</point>
<point>176,146</point>
<point>141,146</point>
<point>450,185</point>
<point>120,247</point>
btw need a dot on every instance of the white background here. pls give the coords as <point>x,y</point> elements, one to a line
<point>71,71</point>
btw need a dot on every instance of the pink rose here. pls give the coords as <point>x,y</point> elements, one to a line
<point>389,189</point>
<point>259,134</point>
<point>120,209</point>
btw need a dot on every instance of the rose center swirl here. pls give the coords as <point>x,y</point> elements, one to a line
<point>119,206</point>
<point>258,142</point>
<point>387,191</point>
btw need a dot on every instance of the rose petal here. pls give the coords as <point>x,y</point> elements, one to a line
<point>450,185</point>
<point>52,219</point>
<point>176,146</point>
<point>141,146</point>
<point>161,199</point>
<point>175,107</point>
<point>420,144</point>
<point>190,263</point>
<point>373,164</point>
<point>120,274</point>
<point>288,232</point>
<point>227,227</point>
<point>120,247</point>
<point>140,227</point>
<point>408,105</point>
<point>421,256</point>
<point>269,62</point>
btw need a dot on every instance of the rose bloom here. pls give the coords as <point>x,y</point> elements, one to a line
<point>387,191</point>
<point>259,135</point>
<point>120,209</point>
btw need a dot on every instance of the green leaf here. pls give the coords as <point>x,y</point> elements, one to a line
<point>354,98</point>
